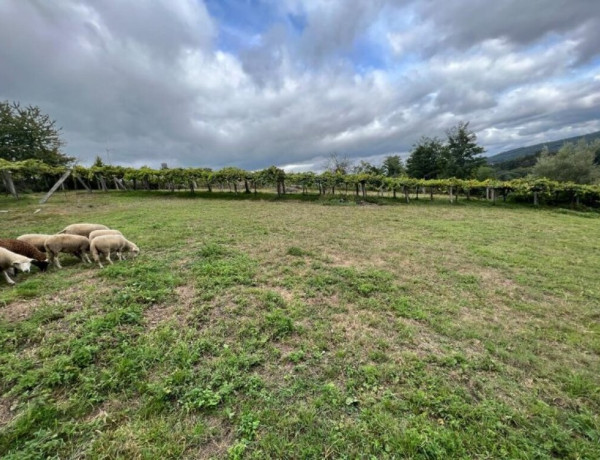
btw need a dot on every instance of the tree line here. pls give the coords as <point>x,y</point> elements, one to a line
<point>30,150</point>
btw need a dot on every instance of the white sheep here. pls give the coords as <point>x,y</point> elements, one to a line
<point>72,244</point>
<point>104,245</point>
<point>9,259</point>
<point>97,233</point>
<point>35,239</point>
<point>82,229</point>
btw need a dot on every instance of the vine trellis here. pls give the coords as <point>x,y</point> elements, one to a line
<point>237,180</point>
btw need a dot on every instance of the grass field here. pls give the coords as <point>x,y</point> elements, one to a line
<point>289,329</point>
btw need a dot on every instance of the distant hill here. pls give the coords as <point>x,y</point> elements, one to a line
<point>530,150</point>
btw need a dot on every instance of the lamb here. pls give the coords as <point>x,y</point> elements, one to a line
<point>82,229</point>
<point>23,248</point>
<point>9,259</point>
<point>97,233</point>
<point>103,245</point>
<point>36,239</point>
<point>73,244</point>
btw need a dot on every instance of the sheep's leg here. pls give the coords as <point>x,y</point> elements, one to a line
<point>108,257</point>
<point>119,255</point>
<point>8,280</point>
<point>87,258</point>
<point>54,258</point>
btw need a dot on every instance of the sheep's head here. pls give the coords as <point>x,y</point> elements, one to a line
<point>23,266</point>
<point>134,249</point>
<point>42,265</point>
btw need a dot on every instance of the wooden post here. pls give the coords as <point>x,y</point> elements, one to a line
<point>8,182</point>
<point>493,191</point>
<point>55,186</point>
<point>450,192</point>
<point>535,198</point>
<point>84,184</point>
<point>103,183</point>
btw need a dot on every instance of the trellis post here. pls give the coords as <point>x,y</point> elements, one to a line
<point>55,186</point>
<point>10,185</point>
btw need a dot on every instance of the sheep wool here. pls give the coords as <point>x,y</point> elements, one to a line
<point>23,248</point>
<point>36,239</point>
<point>97,233</point>
<point>82,229</point>
<point>9,259</point>
<point>71,244</point>
<point>104,245</point>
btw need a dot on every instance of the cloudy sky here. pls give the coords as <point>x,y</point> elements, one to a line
<point>251,83</point>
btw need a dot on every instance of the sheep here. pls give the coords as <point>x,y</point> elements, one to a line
<point>97,233</point>
<point>25,249</point>
<point>36,239</point>
<point>103,245</point>
<point>9,259</point>
<point>73,244</point>
<point>82,229</point>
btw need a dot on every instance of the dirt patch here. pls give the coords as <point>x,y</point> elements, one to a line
<point>6,415</point>
<point>160,313</point>
<point>221,435</point>
<point>286,295</point>
<point>19,310</point>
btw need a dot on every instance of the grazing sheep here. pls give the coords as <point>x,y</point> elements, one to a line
<point>9,259</point>
<point>103,245</point>
<point>25,249</point>
<point>82,229</point>
<point>37,239</point>
<point>97,233</point>
<point>72,244</point>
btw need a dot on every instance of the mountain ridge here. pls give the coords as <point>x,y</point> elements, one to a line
<point>553,146</point>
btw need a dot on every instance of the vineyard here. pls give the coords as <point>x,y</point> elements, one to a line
<point>37,176</point>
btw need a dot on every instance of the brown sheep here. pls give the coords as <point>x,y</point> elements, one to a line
<point>25,249</point>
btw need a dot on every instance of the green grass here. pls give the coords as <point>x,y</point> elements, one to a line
<point>267,328</point>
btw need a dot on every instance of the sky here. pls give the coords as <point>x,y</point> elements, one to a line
<point>254,83</point>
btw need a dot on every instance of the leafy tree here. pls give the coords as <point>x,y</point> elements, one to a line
<point>98,162</point>
<point>461,158</point>
<point>424,161</point>
<point>573,162</point>
<point>485,172</point>
<point>27,133</point>
<point>367,168</point>
<point>337,164</point>
<point>392,166</point>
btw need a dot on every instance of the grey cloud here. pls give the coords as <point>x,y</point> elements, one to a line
<point>468,22</point>
<point>149,85</point>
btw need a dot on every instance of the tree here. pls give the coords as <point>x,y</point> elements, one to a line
<point>27,133</point>
<point>485,172</point>
<point>98,162</point>
<point>368,168</point>
<point>392,166</point>
<point>337,164</point>
<point>424,160</point>
<point>461,158</point>
<point>573,162</point>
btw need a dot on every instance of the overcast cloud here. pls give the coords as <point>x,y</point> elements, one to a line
<point>244,83</point>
